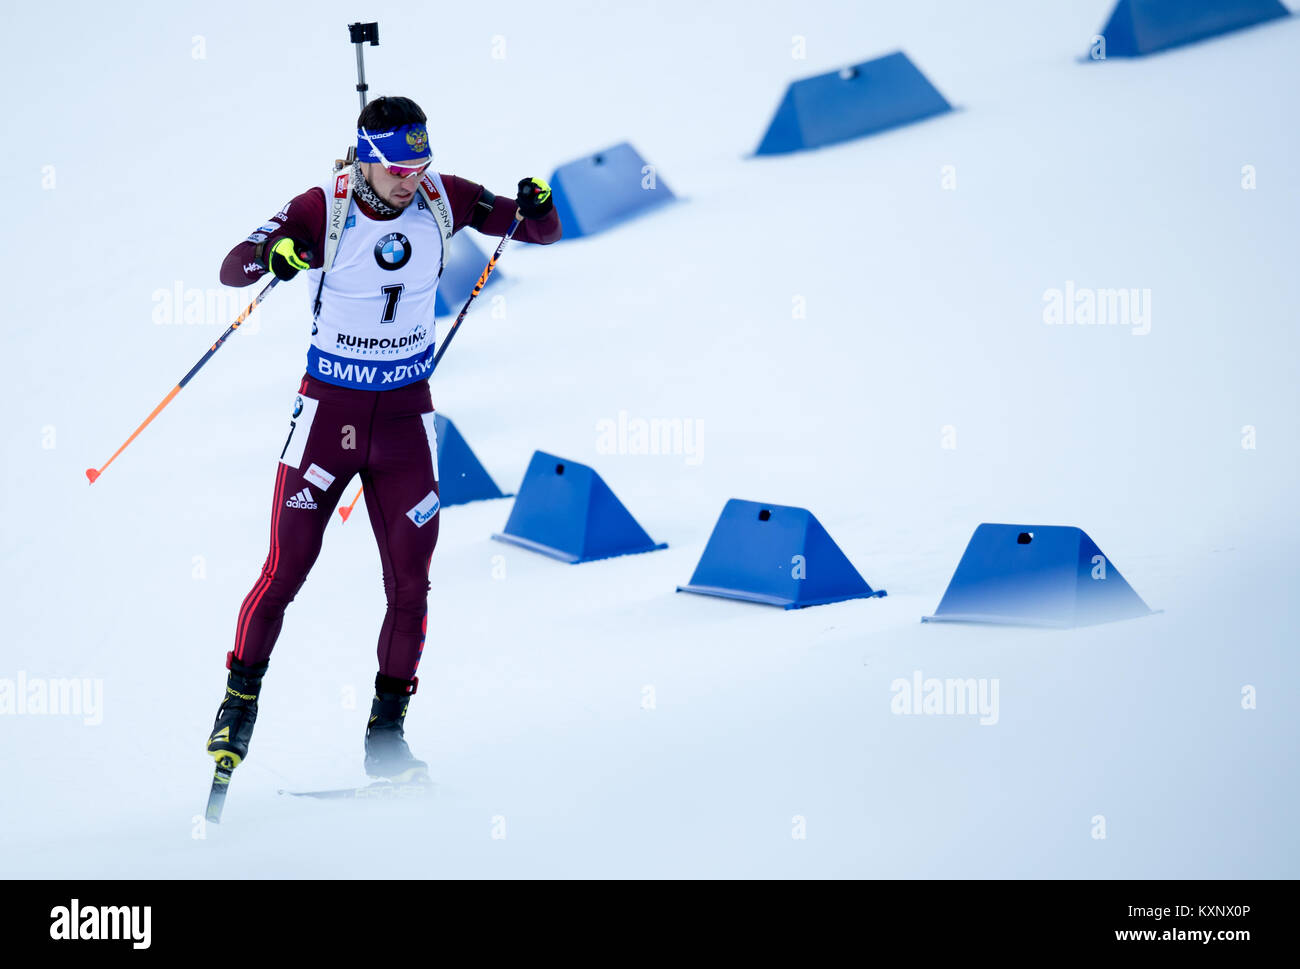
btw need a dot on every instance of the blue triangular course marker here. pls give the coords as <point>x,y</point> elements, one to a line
<point>859,100</point>
<point>461,476</point>
<point>465,263</point>
<point>1138,27</point>
<point>1036,575</point>
<point>776,555</point>
<point>565,510</point>
<point>598,192</point>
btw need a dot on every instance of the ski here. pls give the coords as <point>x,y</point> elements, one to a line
<point>413,784</point>
<point>217,795</point>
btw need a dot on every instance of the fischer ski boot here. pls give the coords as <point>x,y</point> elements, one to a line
<point>238,712</point>
<point>387,755</point>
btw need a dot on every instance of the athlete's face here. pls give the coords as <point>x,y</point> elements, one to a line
<point>397,192</point>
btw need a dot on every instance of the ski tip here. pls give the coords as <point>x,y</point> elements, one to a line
<point>343,512</point>
<point>216,802</point>
<point>92,474</point>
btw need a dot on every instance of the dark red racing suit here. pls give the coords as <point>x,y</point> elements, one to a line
<point>336,432</point>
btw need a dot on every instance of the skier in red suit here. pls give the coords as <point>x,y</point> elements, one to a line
<point>372,241</point>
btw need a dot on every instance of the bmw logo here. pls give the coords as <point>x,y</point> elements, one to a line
<point>297,407</point>
<point>393,251</point>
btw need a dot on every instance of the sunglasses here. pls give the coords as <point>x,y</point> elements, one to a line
<point>400,171</point>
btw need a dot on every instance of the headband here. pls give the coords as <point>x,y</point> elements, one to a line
<point>393,144</point>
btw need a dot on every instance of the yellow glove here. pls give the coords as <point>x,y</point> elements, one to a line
<point>534,198</point>
<point>287,258</point>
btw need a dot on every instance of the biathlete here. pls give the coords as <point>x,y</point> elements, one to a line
<point>373,241</point>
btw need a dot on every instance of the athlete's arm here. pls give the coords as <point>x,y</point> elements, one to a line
<point>302,220</point>
<point>474,206</point>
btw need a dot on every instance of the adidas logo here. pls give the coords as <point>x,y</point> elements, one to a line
<point>303,499</point>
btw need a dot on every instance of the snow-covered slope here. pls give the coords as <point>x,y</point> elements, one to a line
<point>924,311</point>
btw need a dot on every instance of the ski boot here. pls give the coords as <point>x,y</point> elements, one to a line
<point>238,712</point>
<point>387,755</point>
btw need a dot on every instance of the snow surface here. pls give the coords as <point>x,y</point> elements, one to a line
<point>924,309</point>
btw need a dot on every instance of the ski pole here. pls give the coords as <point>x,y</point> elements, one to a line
<point>478,288</point>
<point>94,473</point>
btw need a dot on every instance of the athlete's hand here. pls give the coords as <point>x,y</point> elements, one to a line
<point>534,198</point>
<point>287,258</point>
